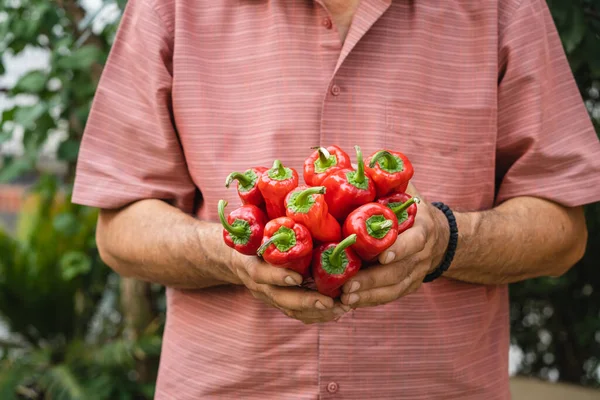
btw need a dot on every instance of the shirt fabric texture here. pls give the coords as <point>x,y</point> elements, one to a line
<point>479,96</point>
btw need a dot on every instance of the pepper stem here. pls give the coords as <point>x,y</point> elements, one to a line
<point>336,256</point>
<point>303,196</point>
<point>380,226</point>
<point>243,179</point>
<point>275,239</point>
<point>323,155</point>
<point>278,166</point>
<point>233,230</point>
<point>388,160</point>
<point>399,209</point>
<point>360,172</point>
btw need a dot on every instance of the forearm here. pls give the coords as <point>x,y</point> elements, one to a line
<point>153,241</point>
<point>522,238</point>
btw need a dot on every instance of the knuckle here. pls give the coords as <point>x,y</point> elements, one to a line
<point>252,271</point>
<point>371,280</point>
<point>421,239</point>
<point>307,302</point>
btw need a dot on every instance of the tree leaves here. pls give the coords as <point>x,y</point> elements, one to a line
<point>81,59</point>
<point>60,383</point>
<point>32,82</point>
<point>15,167</point>
<point>27,115</point>
<point>577,30</point>
<point>68,150</point>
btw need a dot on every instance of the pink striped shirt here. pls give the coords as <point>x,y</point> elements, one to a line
<point>478,94</point>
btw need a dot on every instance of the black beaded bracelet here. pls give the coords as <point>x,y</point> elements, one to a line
<point>452,243</point>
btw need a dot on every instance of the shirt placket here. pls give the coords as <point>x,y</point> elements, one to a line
<point>336,340</point>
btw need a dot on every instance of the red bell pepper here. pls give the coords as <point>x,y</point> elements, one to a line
<point>247,186</point>
<point>333,265</point>
<point>287,244</point>
<point>243,228</point>
<point>323,162</point>
<point>274,184</point>
<point>405,208</point>
<point>347,189</point>
<point>307,206</point>
<point>376,229</point>
<point>390,170</point>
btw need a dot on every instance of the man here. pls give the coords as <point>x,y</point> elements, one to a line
<point>478,94</point>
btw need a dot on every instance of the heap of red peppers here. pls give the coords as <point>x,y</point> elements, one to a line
<point>327,229</point>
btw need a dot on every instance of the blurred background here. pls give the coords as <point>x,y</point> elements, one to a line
<point>72,329</point>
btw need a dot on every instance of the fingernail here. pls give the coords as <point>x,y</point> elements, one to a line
<point>353,298</point>
<point>338,311</point>
<point>290,281</point>
<point>320,305</point>
<point>345,307</point>
<point>354,287</point>
<point>390,257</point>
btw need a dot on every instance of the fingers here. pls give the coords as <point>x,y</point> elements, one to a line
<point>298,299</point>
<point>410,242</point>
<point>377,295</point>
<point>378,276</point>
<point>308,316</point>
<point>384,294</point>
<point>290,298</point>
<point>263,273</point>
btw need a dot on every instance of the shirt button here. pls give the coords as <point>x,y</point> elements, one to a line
<point>332,387</point>
<point>335,90</point>
<point>327,22</point>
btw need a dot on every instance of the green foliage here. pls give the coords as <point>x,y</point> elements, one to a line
<point>64,90</point>
<point>56,296</point>
<point>557,321</point>
<point>52,287</point>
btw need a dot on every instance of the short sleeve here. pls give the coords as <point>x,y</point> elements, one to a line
<point>130,149</point>
<point>546,144</point>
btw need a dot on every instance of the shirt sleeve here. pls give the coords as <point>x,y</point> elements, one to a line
<point>130,149</point>
<point>546,144</point>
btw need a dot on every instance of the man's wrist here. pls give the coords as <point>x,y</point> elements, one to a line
<point>218,269</point>
<point>442,230</point>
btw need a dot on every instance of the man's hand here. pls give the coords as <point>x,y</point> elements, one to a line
<point>417,252</point>
<point>278,288</point>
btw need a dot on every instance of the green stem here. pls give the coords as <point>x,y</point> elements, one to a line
<point>233,230</point>
<point>323,155</point>
<point>278,237</point>
<point>303,196</point>
<point>360,172</point>
<point>243,179</point>
<point>277,165</point>
<point>336,256</point>
<point>380,226</point>
<point>398,209</point>
<point>389,161</point>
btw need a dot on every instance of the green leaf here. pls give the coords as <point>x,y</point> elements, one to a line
<point>573,37</point>
<point>81,59</point>
<point>5,136</point>
<point>68,150</point>
<point>9,114</point>
<point>32,82</point>
<point>27,115</point>
<point>61,383</point>
<point>73,264</point>
<point>66,223</point>
<point>14,168</point>
<point>11,375</point>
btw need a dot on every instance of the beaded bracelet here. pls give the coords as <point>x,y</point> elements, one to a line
<point>452,243</point>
